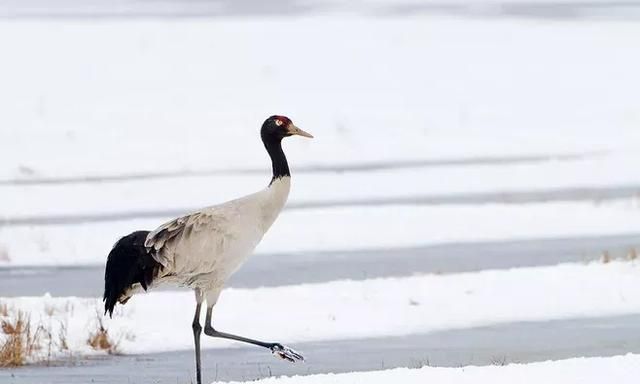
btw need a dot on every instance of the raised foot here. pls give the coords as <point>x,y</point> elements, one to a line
<point>286,353</point>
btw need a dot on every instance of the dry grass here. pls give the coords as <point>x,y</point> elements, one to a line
<point>417,364</point>
<point>100,339</point>
<point>12,353</point>
<point>20,342</point>
<point>608,257</point>
<point>499,361</point>
<point>23,341</point>
<point>62,337</point>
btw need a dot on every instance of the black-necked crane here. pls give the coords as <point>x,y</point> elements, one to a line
<point>203,249</point>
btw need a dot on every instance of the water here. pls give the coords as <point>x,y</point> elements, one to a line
<point>491,345</point>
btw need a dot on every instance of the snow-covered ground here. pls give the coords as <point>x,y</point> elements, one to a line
<point>619,369</point>
<point>335,310</point>
<point>129,97</point>
<point>449,107</point>
<point>92,98</point>
<point>592,171</point>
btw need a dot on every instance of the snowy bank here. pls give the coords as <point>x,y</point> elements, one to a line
<point>161,321</point>
<point>595,370</point>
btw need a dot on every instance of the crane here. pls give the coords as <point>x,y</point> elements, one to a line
<point>203,249</point>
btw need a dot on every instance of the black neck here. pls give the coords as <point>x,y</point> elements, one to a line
<point>279,163</point>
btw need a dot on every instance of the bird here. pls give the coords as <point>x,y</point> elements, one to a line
<point>201,250</point>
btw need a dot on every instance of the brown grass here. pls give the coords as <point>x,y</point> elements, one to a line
<point>100,339</point>
<point>20,340</point>
<point>12,350</point>
<point>62,337</point>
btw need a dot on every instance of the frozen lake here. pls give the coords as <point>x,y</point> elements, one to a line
<point>500,344</point>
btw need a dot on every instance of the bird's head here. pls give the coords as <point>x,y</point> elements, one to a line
<point>278,127</point>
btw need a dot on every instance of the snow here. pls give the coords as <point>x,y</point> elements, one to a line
<point>191,94</point>
<point>376,81</point>
<point>592,171</point>
<point>194,101</point>
<point>344,228</point>
<point>134,96</point>
<point>124,97</point>
<point>596,370</point>
<point>334,310</point>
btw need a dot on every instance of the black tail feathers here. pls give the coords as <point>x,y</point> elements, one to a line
<point>128,263</point>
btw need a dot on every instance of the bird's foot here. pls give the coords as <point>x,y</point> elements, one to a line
<point>286,353</point>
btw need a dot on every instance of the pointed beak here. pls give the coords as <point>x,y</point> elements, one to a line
<point>297,131</point>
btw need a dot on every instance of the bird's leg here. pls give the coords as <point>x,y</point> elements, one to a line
<point>277,349</point>
<point>197,329</point>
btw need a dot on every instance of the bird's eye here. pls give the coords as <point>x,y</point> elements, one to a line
<point>278,122</point>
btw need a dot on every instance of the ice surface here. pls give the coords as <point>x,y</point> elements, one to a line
<point>618,369</point>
